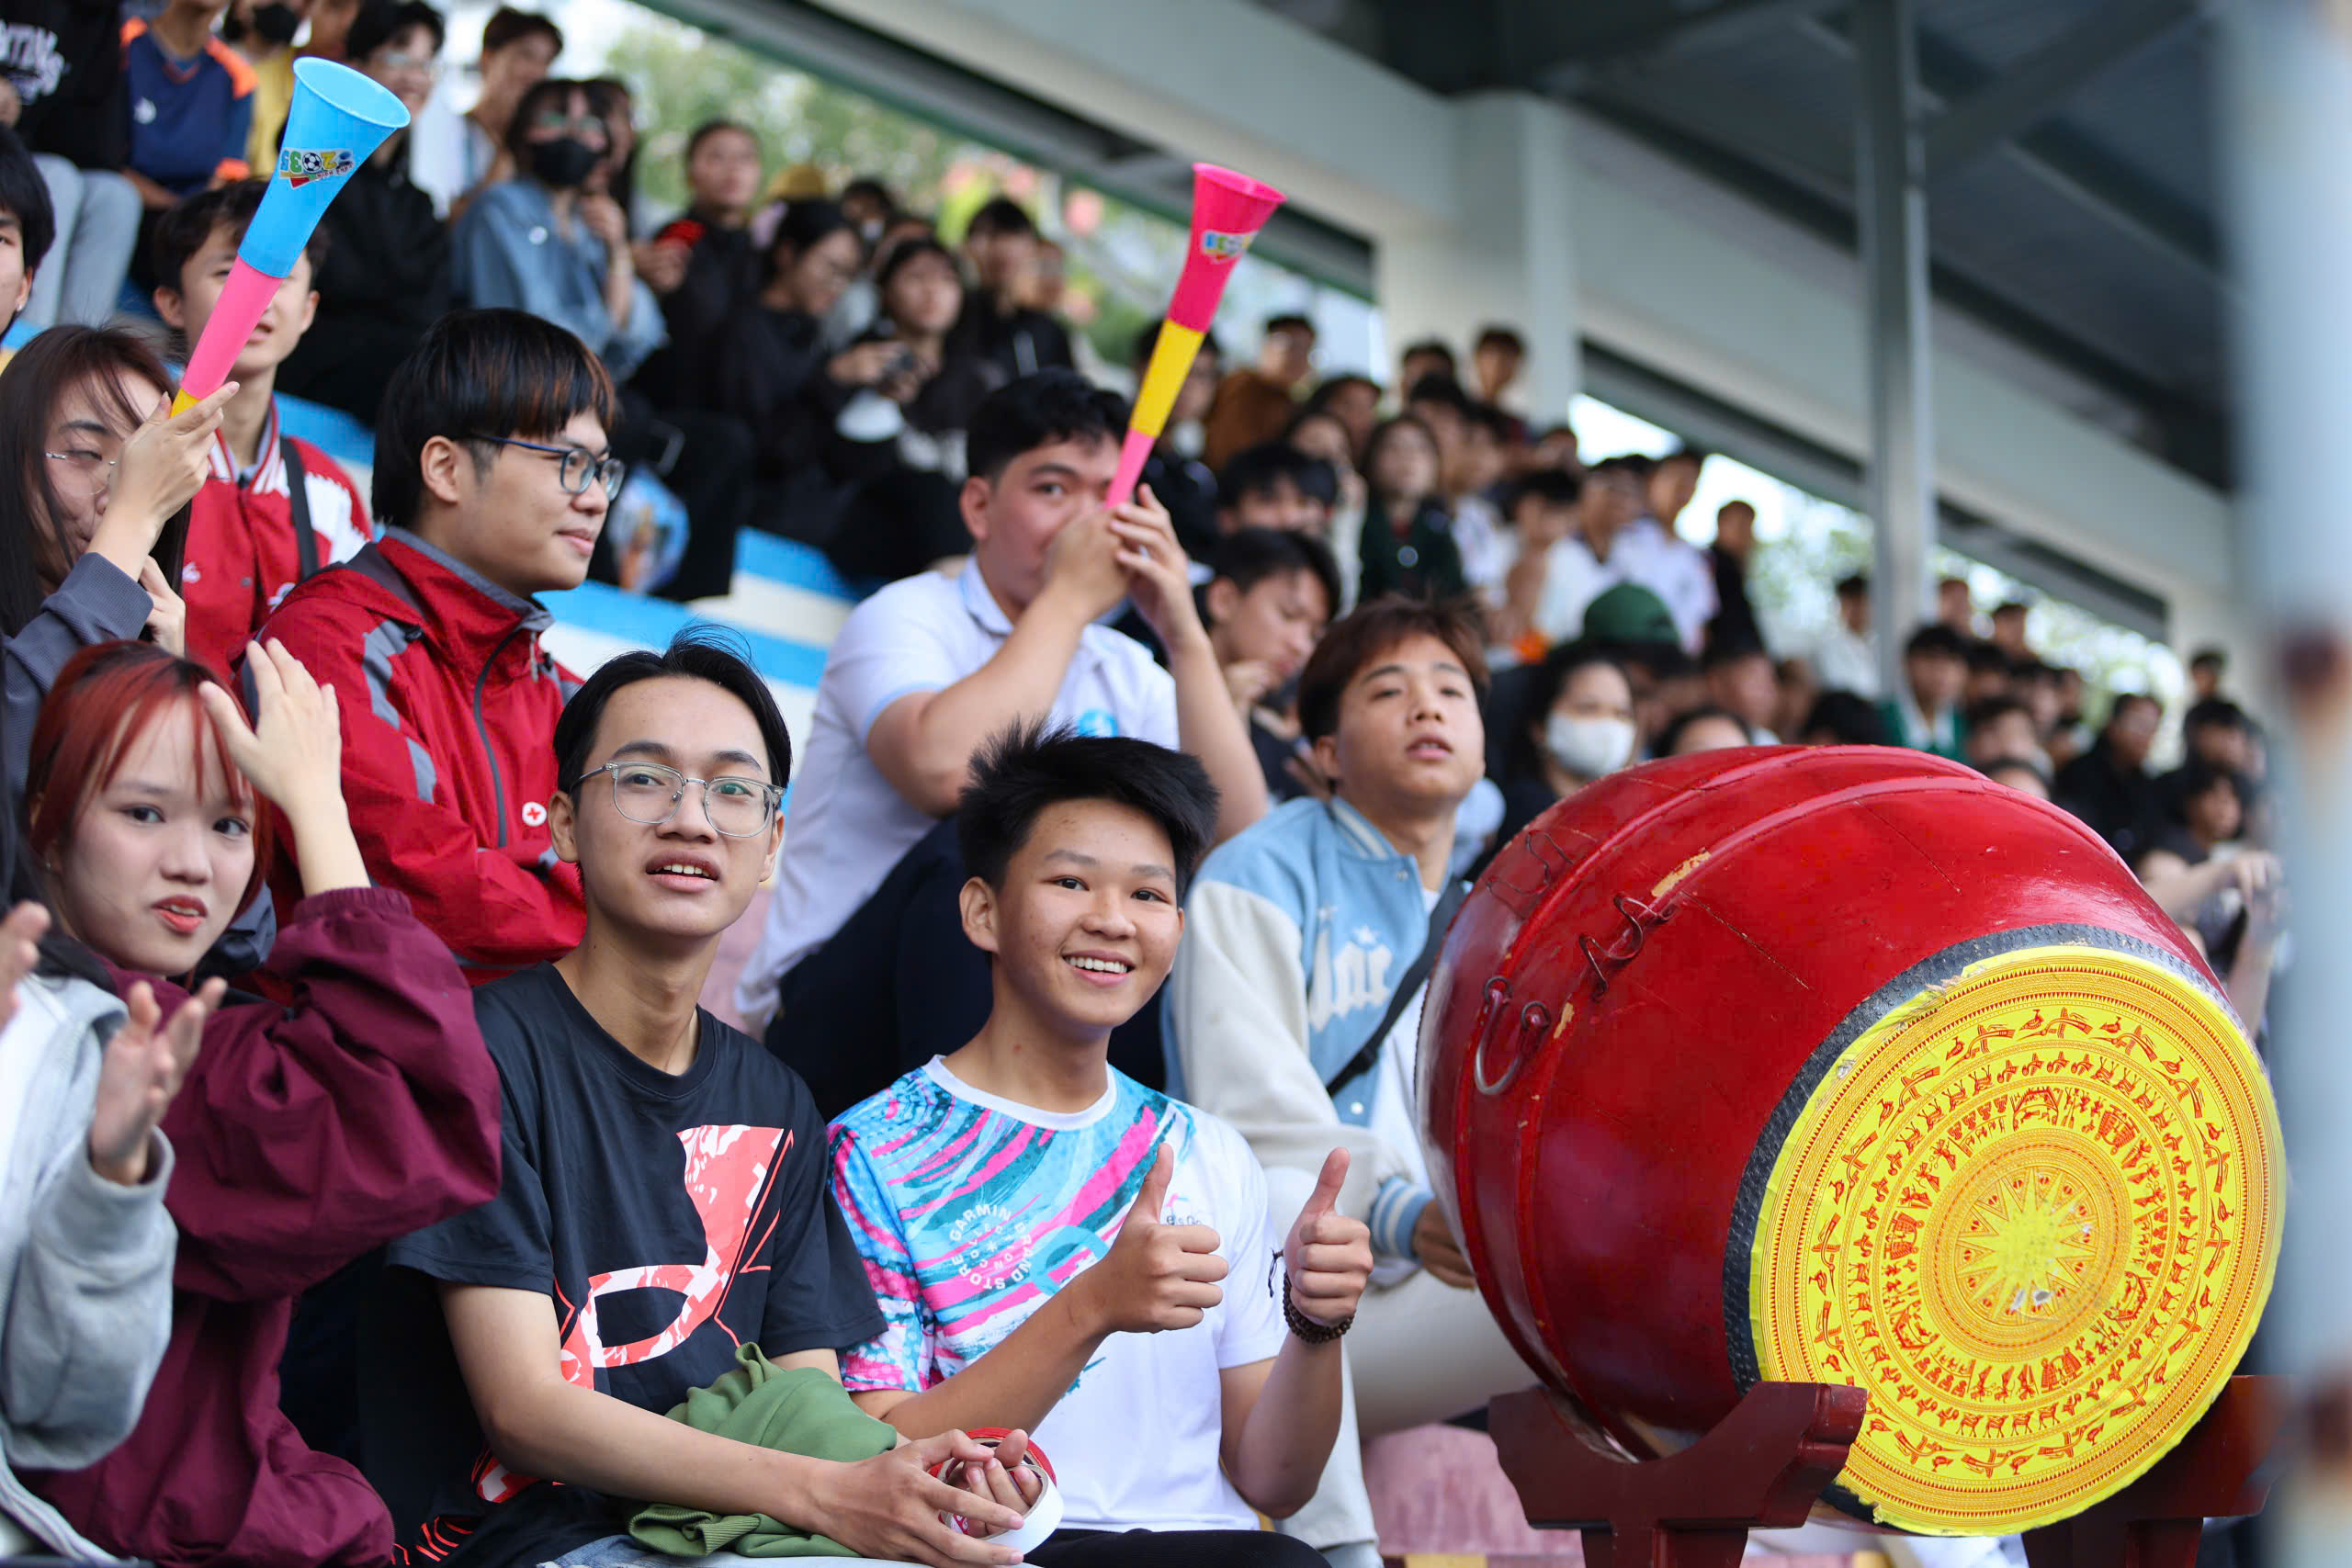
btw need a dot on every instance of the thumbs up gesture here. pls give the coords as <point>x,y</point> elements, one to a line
<point>1327,1254</point>
<point>1156,1276</point>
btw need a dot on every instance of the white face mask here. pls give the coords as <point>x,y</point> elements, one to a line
<point>1588,747</point>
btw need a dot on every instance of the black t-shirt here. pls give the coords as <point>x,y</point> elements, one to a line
<point>667,1218</point>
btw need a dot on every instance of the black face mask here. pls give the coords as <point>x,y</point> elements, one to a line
<point>564,162</point>
<point>273,23</point>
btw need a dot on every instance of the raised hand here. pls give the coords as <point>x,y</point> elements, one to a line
<point>1160,577</point>
<point>143,1069</point>
<point>1248,680</point>
<point>168,622</point>
<point>1328,1255</point>
<point>21,936</point>
<point>889,1507</point>
<point>293,750</point>
<point>162,466</point>
<point>1156,1276</point>
<point>1082,563</point>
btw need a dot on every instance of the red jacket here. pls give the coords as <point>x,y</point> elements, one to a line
<point>305,1137</point>
<point>243,557</point>
<point>448,710</point>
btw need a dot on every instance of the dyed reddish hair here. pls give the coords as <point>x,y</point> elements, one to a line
<point>105,698</point>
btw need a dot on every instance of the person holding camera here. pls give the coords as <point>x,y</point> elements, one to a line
<point>897,443</point>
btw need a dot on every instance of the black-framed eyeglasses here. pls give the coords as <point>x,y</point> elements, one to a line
<point>579,465</point>
<point>649,793</point>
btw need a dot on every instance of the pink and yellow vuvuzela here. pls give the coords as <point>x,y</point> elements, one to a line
<point>1229,210</point>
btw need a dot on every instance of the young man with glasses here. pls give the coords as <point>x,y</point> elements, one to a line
<point>492,474</point>
<point>664,1197</point>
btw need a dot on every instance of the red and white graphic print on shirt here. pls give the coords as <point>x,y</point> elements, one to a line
<point>728,1169</point>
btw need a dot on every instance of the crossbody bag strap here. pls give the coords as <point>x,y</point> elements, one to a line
<point>1408,985</point>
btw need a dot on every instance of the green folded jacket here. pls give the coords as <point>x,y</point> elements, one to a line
<point>796,1410</point>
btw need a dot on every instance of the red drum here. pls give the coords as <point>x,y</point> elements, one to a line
<point>1850,1065</point>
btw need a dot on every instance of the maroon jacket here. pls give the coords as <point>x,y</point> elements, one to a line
<point>306,1136</point>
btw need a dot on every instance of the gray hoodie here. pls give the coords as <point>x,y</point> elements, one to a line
<point>85,1266</point>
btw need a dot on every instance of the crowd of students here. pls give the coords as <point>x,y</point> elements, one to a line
<point>377,1187</point>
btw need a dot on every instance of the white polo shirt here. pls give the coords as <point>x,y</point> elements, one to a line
<point>847,827</point>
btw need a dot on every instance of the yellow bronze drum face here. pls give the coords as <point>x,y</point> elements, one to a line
<point>2035,1212</point>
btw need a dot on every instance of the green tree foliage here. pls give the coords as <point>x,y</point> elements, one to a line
<point>681,77</point>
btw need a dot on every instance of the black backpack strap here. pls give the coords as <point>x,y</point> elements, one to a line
<point>369,563</point>
<point>1408,985</point>
<point>298,499</point>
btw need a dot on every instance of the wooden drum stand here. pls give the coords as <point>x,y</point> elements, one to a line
<point>1766,1464</point>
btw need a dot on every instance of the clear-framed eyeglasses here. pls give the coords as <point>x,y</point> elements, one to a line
<point>580,467</point>
<point>649,793</point>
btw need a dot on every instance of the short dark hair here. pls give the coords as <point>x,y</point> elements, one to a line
<point>899,257</point>
<point>1849,716</point>
<point>2215,713</point>
<point>2208,657</point>
<point>1033,765</point>
<point>1686,452</point>
<point>1038,409</point>
<point>1988,656</point>
<point>1500,337</point>
<point>2010,607</point>
<point>1289,322</point>
<point>807,224</point>
<point>188,225</point>
<point>1001,215</point>
<point>1553,486</point>
<point>2196,776</point>
<point>1999,765</point>
<point>1992,710</point>
<point>1247,557</point>
<point>700,651</point>
<point>2030,669</point>
<point>1437,388</point>
<point>1682,723</point>
<point>1721,652</point>
<point>509,25</point>
<point>717,127</point>
<point>1257,470</point>
<point>1854,585</point>
<point>1331,387</point>
<point>867,186</point>
<point>480,373</point>
<point>2128,699</point>
<point>24,196</point>
<point>1936,640</point>
<point>1370,630</point>
<point>381,21</point>
<point>1493,421</point>
<point>1437,347</point>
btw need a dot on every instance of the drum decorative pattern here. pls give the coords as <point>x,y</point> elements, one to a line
<point>2034,1211</point>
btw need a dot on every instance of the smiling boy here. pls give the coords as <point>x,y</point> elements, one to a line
<point>275,510</point>
<point>492,474</point>
<point>1055,1244</point>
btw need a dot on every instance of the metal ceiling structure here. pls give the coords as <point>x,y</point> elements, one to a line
<point>2069,149</point>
